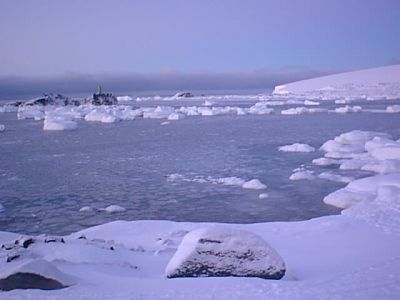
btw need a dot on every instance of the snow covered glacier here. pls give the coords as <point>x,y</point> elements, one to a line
<point>351,255</point>
<point>380,83</point>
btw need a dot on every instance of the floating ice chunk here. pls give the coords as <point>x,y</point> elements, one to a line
<point>58,123</point>
<point>165,123</point>
<point>102,116</point>
<point>260,108</point>
<point>124,98</point>
<point>388,152</point>
<point>341,101</point>
<point>323,161</point>
<point>263,196</point>
<point>353,164</point>
<point>231,181</point>
<point>160,112</point>
<point>114,209</point>
<point>175,116</point>
<point>348,109</point>
<point>86,209</point>
<point>349,144</point>
<point>335,177</point>
<point>208,103</point>
<point>393,109</point>
<point>302,175</point>
<point>174,177</point>
<point>311,103</point>
<point>382,166</point>
<point>361,190</point>
<point>35,112</point>
<point>2,127</point>
<point>297,147</point>
<point>2,208</point>
<point>294,111</point>
<point>254,184</point>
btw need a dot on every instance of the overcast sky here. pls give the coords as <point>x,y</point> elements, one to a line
<point>263,41</point>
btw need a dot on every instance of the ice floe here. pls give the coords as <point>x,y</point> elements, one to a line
<point>114,209</point>
<point>296,147</point>
<point>348,109</point>
<point>58,123</point>
<point>302,175</point>
<point>254,184</point>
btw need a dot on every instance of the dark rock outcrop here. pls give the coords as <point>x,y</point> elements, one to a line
<point>23,280</point>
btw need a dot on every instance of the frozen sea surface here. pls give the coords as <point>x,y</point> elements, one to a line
<point>46,177</point>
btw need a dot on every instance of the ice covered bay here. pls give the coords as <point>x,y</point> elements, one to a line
<point>47,177</point>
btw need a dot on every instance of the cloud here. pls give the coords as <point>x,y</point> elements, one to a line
<point>70,83</point>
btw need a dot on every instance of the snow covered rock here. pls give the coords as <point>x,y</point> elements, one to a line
<point>33,274</point>
<point>221,252</point>
<point>297,147</point>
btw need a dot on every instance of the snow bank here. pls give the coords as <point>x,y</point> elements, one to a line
<point>297,147</point>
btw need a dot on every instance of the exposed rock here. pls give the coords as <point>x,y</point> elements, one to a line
<point>184,95</point>
<point>51,99</point>
<point>220,252</point>
<point>29,281</point>
<point>101,99</point>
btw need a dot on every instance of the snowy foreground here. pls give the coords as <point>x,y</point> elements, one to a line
<point>354,255</point>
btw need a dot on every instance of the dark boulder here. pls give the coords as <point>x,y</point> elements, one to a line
<point>220,252</point>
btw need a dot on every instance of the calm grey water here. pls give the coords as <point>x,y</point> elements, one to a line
<point>46,177</point>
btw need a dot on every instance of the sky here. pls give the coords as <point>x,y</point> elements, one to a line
<point>156,44</point>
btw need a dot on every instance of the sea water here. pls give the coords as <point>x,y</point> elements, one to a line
<point>46,177</point>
